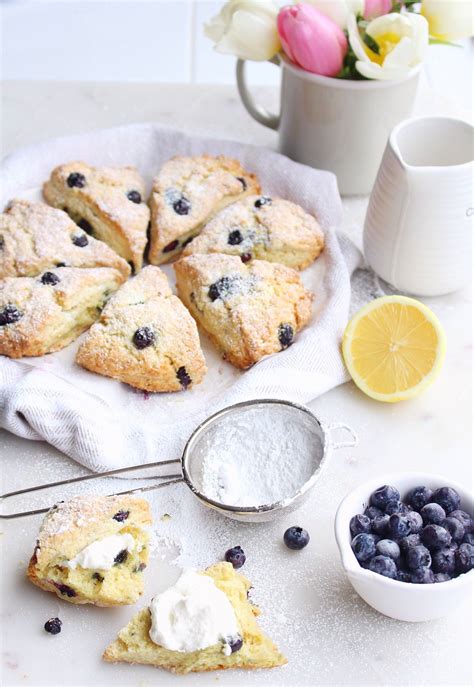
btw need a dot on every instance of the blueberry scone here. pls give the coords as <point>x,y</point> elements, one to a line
<point>263,228</point>
<point>145,337</point>
<point>248,311</point>
<point>35,237</point>
<point>204,622</point>
<point>43,314</point>
<point>107,202</point>
<point>93,549</point>
<point>187,192</point>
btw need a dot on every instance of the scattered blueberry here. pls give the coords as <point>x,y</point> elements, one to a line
<point>235,237</point>
<point>121,515</point>
<point>447,498</point>
<point>243,182</point>
<point>246,257</point>
<point>419,497</point>
<point>398,526</point>
<point>455,528</point>
<point>143,337</point>
<point>415,520</point>
<point>359,524</point>
<point>9,315</point>
<point>53,626</point>
<point>80,240</point>
<point>468,538</point>
<point>418,557</point>
<point>171,246</point>
<point>135,197</point>
<point>363,546</point>
<point>380,525</point>
<point>383,495</point>
<point>236,556</point>
<point>373,512</point>
<point>64,589</point>
<point>464,558</point>
<point>50,278</point>
<point>444,561</point>
<point>432,514</point>
<point>442,577</point>
<point>182,206</point>
<point>235,643</point>
<point>285,335</point>
<point>76,180</point>
<point>388,548</point>
<point>121,557</point>
<point>263,200</point>
<point>408,542</point>
<point>435,537</point>
<point>422,576</point>
<point>384,565</point>
<point>296,538</point>
<point>183,377</point>
<point>463,517</point>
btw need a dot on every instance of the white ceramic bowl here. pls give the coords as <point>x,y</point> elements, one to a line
<point>400,600</point>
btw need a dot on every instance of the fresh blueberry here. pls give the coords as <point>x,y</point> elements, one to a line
<point>408,542</point>
<point>418,557</point>
<point>363,546</point>
<point>236,556</point>
<point>403,576</point>
<point>135,197</point>
<point>464,558</point>
<point>373,512</point>
<point>454,527</point>
<point>235,643</point>
<point>76,180</point>
<point>143,337</point>
<point>442,577</point>
<point>243,182</point>
<point>380,525</point>
<point>384,565</point>
<point>53,626</point>
<point>50,278</point>
<point>246,257</point>
<point>296,538</point>
<point>435,537</point>
<point>447,498</point>
<point>419,497</point>
<point>9,315</point>
<point>171,246</point>
<point>121,557</point>
<point>263,200</point>
<point>393,506</point>
<point>359,524</point>
<point>463,517</point>
<point>422,576</point>
<point>80,240</point>
<point>468,538</point>
<point>182,206</point>
<point>398,526</point>
<point>121,515</point>
<point>235,237</point>
<point>432,514</point>
<point>285,335</point>
<point>183,376</point>
<point>444,561</point>
<point>415,520</point>
<point>383,495</point>
<point>388,547</point>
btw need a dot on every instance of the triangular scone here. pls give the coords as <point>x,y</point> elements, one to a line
<point>93,549</point>
<point>107,202</point>
<point>145,337</point>
<point>43,314</point>
<point>257,651</point>
<point>248,311</point>
<point>35,237</point>
<point>187,192</point>
<point>262,228</point>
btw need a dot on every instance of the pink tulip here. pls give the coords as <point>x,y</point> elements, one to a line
<point>375,8</point>
<point>312,40</point>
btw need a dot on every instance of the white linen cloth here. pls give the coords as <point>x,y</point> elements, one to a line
<point>104,424</point>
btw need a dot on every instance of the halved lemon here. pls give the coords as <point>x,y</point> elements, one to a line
<point>394,348</point>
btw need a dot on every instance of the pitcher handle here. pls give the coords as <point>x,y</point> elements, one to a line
<point>255,110</point>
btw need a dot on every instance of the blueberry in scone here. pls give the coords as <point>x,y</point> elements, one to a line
<point>246,647</point>
<point>85,553</point>
<point>106,202</point>
<point>36,237</point>
<point>261,228</point>
<point>145,337</point>
<point>43,314</point>
<point>187,192</point>
<point>248,311</point>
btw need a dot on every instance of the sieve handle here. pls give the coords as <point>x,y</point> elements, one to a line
<point>349,443</point>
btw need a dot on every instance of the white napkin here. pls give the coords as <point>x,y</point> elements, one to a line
<point>104,424</point>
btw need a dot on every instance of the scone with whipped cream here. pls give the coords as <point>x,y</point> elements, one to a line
<point>248,311</point>
<point>262,228</point>
<point>35,237</point>
<point>93,549</point>
<point>43,314</point>
<point>204,622</point>
<point>107,202</point>
<point>145,337</point>
<point>187,192</point>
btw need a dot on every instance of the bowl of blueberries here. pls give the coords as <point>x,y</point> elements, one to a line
<point>407,544</point>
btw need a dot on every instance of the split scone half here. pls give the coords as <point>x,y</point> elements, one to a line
<point>93,549</point>
<point>43,314</point>
<point>262,228</point>
<point>107,202</point>
<point>187,192</point>
<point>222,604</point>
<point>145,337</point>
<point>248,311</point>
<point>35,237</point>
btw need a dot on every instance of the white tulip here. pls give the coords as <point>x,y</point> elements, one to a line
<point>247,29</point>
<point>402,40</point>
<point>449,20</point>
<point>338,10</point>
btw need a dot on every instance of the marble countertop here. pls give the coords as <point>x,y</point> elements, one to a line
<point>329,635</point>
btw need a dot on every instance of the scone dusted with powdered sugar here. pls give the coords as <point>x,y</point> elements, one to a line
<point>248,311</point>
<point>35,237</point>
<point>107,202</point>
<point>262,228</point>
<point>187,192</point>
<point>214,627</point>
<point>145,337</point>
<point>93,549</point>
<point>43,314</point>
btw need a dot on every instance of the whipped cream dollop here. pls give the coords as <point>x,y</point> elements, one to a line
<point>101,554</point>
<point>192,615</point>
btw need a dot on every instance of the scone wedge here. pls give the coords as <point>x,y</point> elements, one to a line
<point>93,549</point>
<point>248,310</point>
<point>35,237</point>
<point>187,192</point>
<point>134,644</point>
<point>43,314</point>
<point>145,337</point>
<point>107,202</point>
<point>262,228</point>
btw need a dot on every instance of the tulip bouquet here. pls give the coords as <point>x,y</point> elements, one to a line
<point>350,39</point>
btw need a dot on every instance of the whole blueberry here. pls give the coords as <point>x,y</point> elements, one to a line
<point>447,498</point>
<point>432,514</point>
<point>80,240</point>
<point>468,538</point>
<point>408,542</point>
<point>415,520</point>
<point>463,517</point>
<point>121,515</point>
<point>183,376</point>
<point>285,335</point>
<point>435,537</point>
<point>363,546</point>
<point>464,558</point>
<point>53,626</point>
<point>76,179</point>
<point>235,237</point>
<point>135,197</point>
<point>455,528</point>
<point>246,257</point>
<point>50,278</point>
<point>373,512</point>
<point>444,561</point>
<point>389,548</point>
<point>358,524</point>
<point>419,497</point>
<point>398,526</point>
<point>383,495</point>
<point>263,200</point>
<point>296,538</point>
<point>384,565</point>
<point>182,206</point>
<point>143,337</point>
<point>236,556</point>
<point>403,576</point>
<point>9,315</point>
<point>380,525</point>
<point>442,577</point>
<point>393,506</point>
<point>422,576</point>
<point>418,557</point>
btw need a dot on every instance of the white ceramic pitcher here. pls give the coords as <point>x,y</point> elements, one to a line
<point>418,227</point>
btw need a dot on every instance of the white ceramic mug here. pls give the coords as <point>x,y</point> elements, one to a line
<point>418,227</point>
<point>334,124</point>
